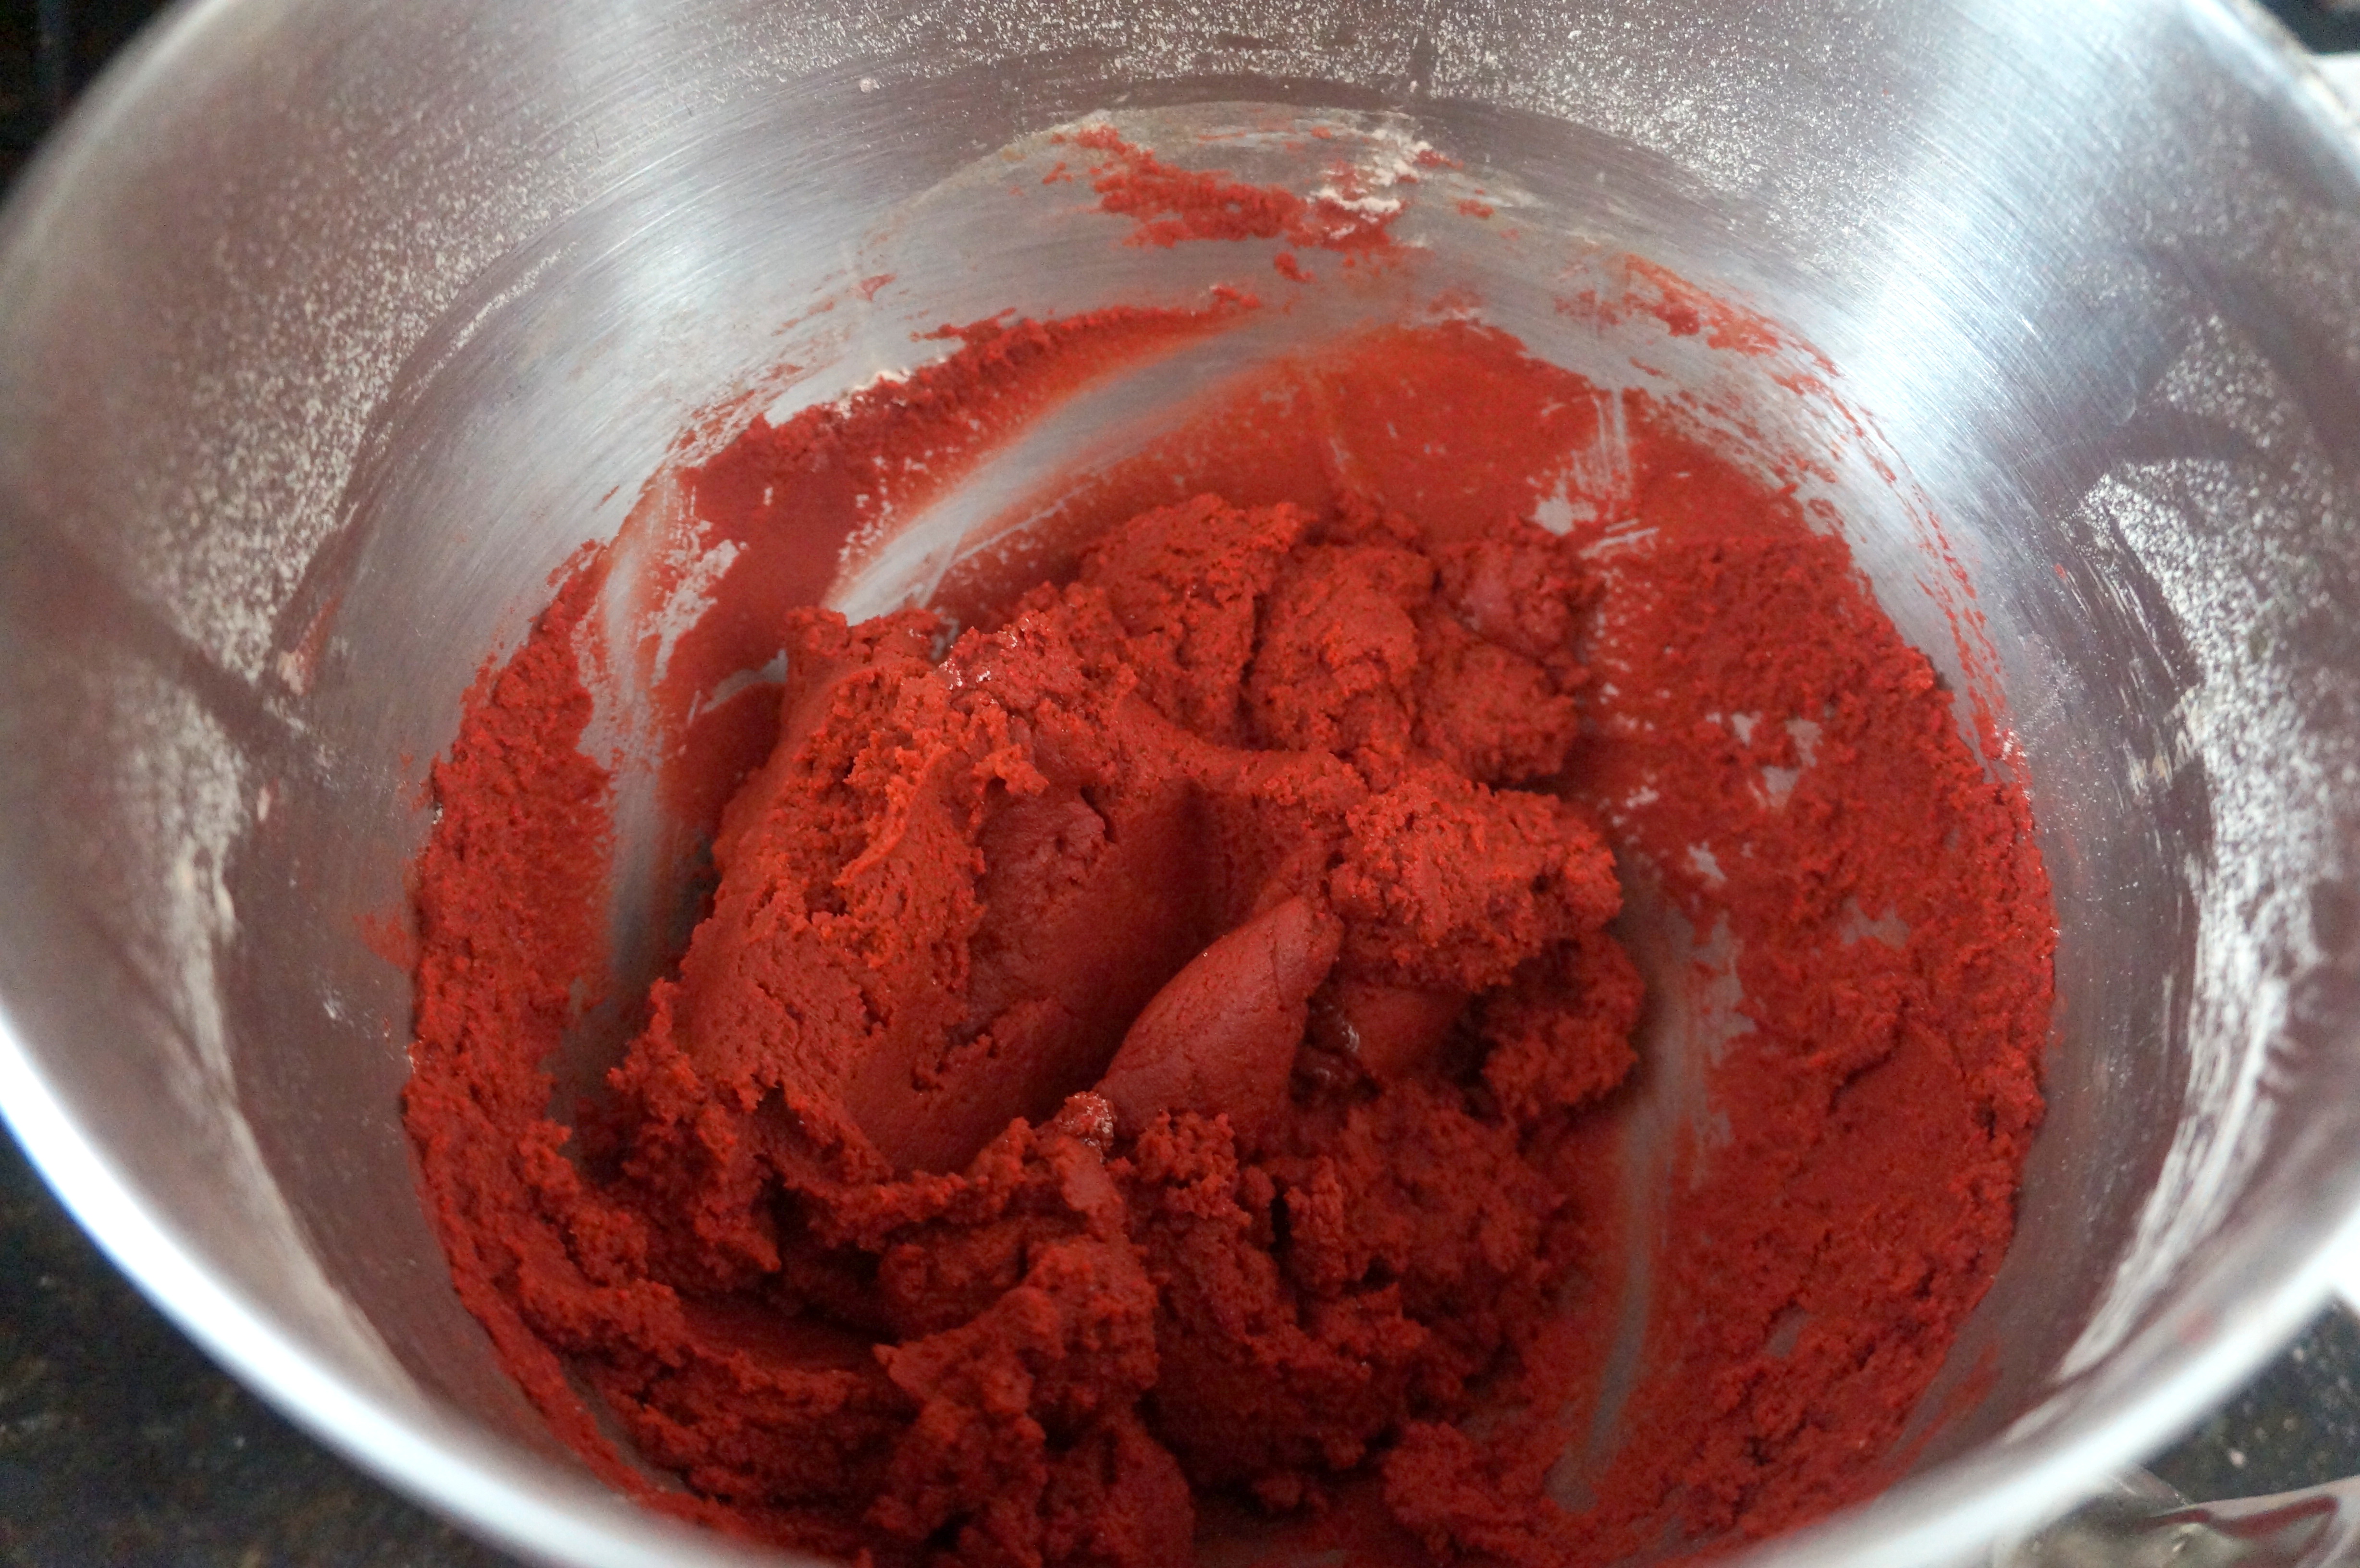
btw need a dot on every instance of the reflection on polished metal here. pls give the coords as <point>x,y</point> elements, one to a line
<point>326,332</point>
<point>2342,71</point>
<point>2317,1529</point>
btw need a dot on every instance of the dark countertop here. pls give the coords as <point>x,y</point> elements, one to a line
<point>121,1446</point>
<point>2297,1424</point>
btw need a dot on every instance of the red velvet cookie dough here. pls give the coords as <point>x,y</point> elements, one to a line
<point>1161,1041</point>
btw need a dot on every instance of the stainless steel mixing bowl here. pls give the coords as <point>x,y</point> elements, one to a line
<point>327,329</point>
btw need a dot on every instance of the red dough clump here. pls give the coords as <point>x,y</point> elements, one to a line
<point>1155,1049</point>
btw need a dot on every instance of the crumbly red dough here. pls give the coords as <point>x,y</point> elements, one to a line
<point>1169,205</point>
<point>1161,1045</point>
